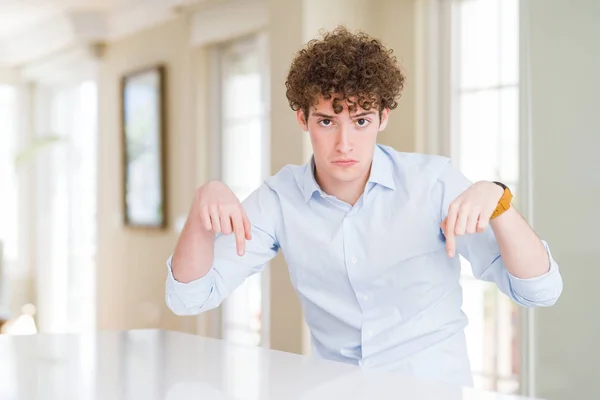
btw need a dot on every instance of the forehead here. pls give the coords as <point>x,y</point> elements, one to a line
<point>327,106</point>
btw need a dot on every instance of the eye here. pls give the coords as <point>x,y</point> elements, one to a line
<point>362,122</point>
<point>325,122</point>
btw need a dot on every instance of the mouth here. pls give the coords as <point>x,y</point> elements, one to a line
<point>345,162</point>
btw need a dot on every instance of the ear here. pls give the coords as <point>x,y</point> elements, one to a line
<point>385,114</point>
<point>301,120</point>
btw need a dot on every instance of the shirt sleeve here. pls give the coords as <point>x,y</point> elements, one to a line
<point>230,270</point>
<point>483,253</point>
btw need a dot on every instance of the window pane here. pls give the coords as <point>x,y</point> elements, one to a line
<point>240,89</point>
<point>8,178</point>
<point>62,106</point>
<point>82,194</point>
<point>242,160</point>
<point>479,39</point>
<point>244,306</point>
<point>509,135</point>
<point>66,229</point>
<point>509,42</point>
<point>479,304</point>
<point>509,345</point>
<point>486,145</point>
<point>242,152</point>
<point>465,268</point>
<point>479,126</point>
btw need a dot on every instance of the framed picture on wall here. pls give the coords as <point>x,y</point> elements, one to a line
<point>143,130</point>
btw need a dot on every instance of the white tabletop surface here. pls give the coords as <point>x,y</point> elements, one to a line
<point>154,364</point>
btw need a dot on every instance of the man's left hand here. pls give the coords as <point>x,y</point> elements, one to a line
<point>470,212</point>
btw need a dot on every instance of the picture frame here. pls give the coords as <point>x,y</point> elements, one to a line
<point>143,125</point>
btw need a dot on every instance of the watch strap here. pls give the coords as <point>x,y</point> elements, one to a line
<point>504,202</point>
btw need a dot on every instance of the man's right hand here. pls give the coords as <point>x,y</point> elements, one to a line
<point>221,212</point>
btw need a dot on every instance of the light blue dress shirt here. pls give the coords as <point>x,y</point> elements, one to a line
<point>374,280</point>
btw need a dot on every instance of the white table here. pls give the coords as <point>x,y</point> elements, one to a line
<point>154,364</point>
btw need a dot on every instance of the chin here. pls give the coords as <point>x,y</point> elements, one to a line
<point>346,176</point>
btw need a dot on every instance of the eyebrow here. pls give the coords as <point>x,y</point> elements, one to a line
<point>362,114</point>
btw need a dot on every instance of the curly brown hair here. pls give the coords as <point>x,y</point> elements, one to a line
<point>353,67</point>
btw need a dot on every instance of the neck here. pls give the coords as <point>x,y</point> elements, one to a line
<point>348,192</point>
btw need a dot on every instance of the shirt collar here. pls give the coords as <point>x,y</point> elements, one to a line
<point>310,184</point>
<point>382,169</point>
<point>382,173</point>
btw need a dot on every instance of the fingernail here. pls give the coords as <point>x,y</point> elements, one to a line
<point>450,254</point>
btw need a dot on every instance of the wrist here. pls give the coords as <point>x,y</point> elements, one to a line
<point>503,216</point>
<point>499,188</point>
<point>504,199</point>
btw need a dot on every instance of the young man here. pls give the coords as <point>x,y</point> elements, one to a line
<point>370,234</point>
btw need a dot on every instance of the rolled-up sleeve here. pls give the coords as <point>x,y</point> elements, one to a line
<point>483,253</point>
<point>543,290</point>
<point>229,270</point>
<point>188,298</point>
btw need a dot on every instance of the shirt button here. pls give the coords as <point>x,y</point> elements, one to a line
<point>368,333</point>
<point>354,260</point>
<point>366,297</point>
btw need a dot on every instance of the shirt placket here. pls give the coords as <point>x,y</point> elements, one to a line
<point>355,263</point>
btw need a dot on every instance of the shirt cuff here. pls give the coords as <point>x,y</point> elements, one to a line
<point>540,290</point>
<point>191,296</point>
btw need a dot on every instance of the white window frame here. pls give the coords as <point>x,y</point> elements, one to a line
<point>33,83</point>
<point>528,355</point>
<point>216,148</point>
<point>437,118</point>
<point>55,302</point>
<point>44,78</point>
<point>13,269</point>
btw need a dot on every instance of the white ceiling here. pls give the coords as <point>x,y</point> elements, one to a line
<point>17,16</point>
<point>31,29</point>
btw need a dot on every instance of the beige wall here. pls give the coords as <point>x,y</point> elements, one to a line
<point>131,269</point>
<point>285,37</point>
<point>396,25</point>
<point>564,62</point>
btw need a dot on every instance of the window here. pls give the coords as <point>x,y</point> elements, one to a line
<point>484,132</point>
<point>66,116</point>
<point>244,165</point>
<point>9,227</point>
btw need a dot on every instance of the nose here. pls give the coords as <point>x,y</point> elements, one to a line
<point>344,144</point>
